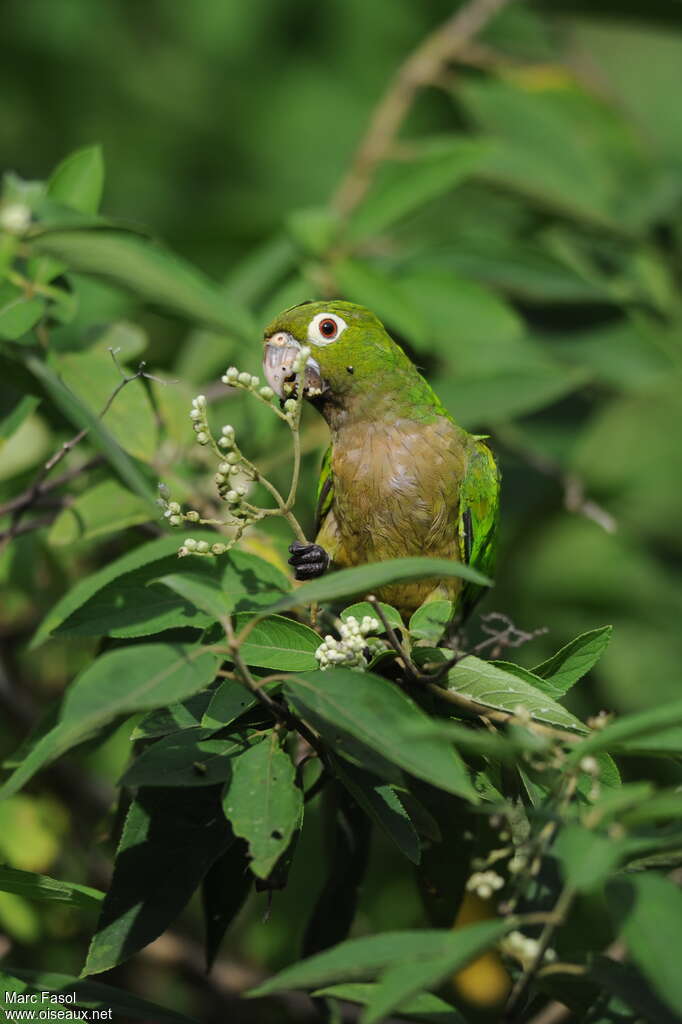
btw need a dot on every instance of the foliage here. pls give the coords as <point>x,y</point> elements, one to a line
<point>522,240</point>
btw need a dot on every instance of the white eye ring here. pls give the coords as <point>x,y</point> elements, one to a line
<point>317,336</point>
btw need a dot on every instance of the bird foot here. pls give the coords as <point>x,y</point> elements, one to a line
<point>308,560</point>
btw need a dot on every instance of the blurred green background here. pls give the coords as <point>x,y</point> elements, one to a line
<point>539,292</point>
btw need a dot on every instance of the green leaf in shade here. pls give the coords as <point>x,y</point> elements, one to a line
<point>381,802</point>
<point>648,911</point>
<point>362,608</point>
<point>587,858</point>
<point>119,682</point>
<point>574,660</point>
<point>263,803</point>
<point>429,621</point>
<point>279,643</point>
<point>369,286</point>
<point>151,272</point>
<point>188,758</point>
<point>493,687</point>
<point>657,730</point>
<point>223,893</point>
<point>424,1007</point>
<point>370,709</point>
<point>401,982</point>
<point>365,958</point>
<point>366,578</point>
<point>83,418</point>
<point>185,715</point>
<point>18,312</point>
<point>436,166</point>
<point>204,592</point>
<point>170,839</point>
<point>665,805</point>
<point>48,890</point>
<point>630,987</point>
<point>15,417</point>
<point>90,995</point>
<point>105,508</point>
<point>229,701</point>
<point>85,588</point>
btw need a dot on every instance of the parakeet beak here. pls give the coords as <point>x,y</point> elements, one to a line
<point>281,372</point>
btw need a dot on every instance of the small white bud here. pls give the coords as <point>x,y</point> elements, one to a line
<point>163,490</point>
<point>192,516</point>
<point>244,378</point>
<point>225,442</point>
<point>218,549</point>
<point>202,547</point>
<point>175,520</point>
<point>15,218</point>
<point>232,497</point>
<point>290,405</point>
<point>232,459</point>
<point>190,544</point>
<point>202,437</point>
<point>254,382</point>
<point>227,430</point>
<point>173,506</point>
<point>267,393</point>
<point>234,470</point>
<point>223,468</point>
<point>196,414</point>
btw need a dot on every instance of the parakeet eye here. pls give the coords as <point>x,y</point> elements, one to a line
<point>325,327</point>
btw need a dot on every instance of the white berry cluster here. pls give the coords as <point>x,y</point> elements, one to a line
<point>484,883</point>
<point>349,649</point>
<point>522,948</point>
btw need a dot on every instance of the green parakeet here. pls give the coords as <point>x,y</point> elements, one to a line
<point>400,476</point>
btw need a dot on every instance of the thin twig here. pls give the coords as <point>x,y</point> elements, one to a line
<point>410,668</point>
<point>423,67</point>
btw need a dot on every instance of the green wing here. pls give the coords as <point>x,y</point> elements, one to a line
<point>325,490</point>
<point>479,514</point>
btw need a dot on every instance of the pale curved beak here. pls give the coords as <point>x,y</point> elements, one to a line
<point>281,350</point>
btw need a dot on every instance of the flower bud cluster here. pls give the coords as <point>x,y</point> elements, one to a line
<point>484,883</point>
<point>349,649</point>
<point>236,379</point>
<point>523,949</point>
<point>201,547</point>
<point>200,420</point>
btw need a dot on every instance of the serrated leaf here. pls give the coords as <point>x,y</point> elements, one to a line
<point>381,802</point>
<point>363,959</point>
<point>119,682</point>
<point>151,272</point>
<point>90,995</point>
<point>403,981</point>
<point>424,1007</point>
<point>263,803</point>
<point>494,688</point>
<point>279,643</point>
<point>574,660</point>
<point>429,622</point>
<point>367,578</point>
<point>188,758</point>
<point>170,839</point>
<point>341,703</point>
<point>48,890</point>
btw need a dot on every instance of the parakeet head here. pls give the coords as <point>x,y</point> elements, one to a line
<point>352,356</point>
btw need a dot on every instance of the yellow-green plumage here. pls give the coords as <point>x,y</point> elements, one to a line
<point>400,477</point>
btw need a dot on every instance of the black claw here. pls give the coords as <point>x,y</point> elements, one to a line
<point>308,560</point>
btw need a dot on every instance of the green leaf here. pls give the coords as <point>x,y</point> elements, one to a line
<point>279,643</point>
<point>48,890</point>
<point>170,839</point>
<point>104,508</point>
<point>587,858</point>
<point>79,179</point>
<point>626,982</point>
<point>574,660</point>
<point>223,893</point>
<point>18,312</point>
<point>185,715</point>
<point>436,166</point>
<point>494,688</point>
<point>362,608</point>
<point>188,758</point>
<point>204,592</point>
<point>429,622</point>
<point>366,578</point>
<point>369,286</point>
<point>401,982</point>
<point>90,995</point>
<point>648,910</point>
<point>365,958</point>
<point>229,701</point>
<point>83,418</point>
<point>380,801</point>
<point>149,271</point>
<point>119,682</point>
<point>15,417</point>
<point>263,803</point>
<point>343,704</point>
<point>424,1007</point>
<point>656,730</point>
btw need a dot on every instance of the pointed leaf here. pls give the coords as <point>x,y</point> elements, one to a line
<point>263,803</point>
<point>279,643</point>
<point>43,889</point>
<point>374,711</point>
<point>204,592</point>
<point>429,621</point>
<point>424,1007</point>
<point>380,801</point>
<point>188,758</point>
<point>574,660</point>
<point>229,701</point>
<point>185,715</point>
<point>656,730</point>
